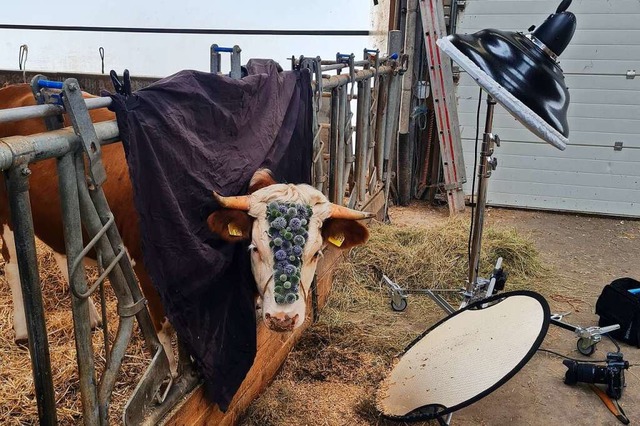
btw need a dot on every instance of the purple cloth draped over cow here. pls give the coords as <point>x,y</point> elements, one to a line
<point>184,137</point>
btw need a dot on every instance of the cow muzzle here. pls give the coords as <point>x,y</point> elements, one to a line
<point>280,322</point>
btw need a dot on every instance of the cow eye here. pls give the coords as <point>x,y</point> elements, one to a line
<point>318,254</point>
<point>253,248</point>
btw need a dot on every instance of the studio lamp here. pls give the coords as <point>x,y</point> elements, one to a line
<point>481,345</point>
<point>520,72</point>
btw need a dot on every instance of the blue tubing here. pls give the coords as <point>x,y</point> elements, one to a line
<point>223,49</point>
<point>50,84</point>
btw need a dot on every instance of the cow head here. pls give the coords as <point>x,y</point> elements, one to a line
<point>288,225</point>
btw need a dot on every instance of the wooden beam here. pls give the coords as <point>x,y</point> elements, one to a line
<point>273,349</point>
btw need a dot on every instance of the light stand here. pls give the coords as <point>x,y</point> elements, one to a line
<point>478,287</point>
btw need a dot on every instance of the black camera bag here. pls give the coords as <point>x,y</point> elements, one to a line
<point>617,306</point>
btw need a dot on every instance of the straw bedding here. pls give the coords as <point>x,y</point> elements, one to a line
<point>17,398</point>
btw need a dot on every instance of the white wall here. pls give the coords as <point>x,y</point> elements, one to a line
<point>162,54</point>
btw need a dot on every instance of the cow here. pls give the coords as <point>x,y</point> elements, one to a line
<point>288,226</point>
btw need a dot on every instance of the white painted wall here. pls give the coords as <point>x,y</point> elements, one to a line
<point>589,176</point>
<point>160,55</point>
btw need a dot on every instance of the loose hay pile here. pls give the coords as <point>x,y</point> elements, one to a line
<point>17,398</point>
<point>332,374</point>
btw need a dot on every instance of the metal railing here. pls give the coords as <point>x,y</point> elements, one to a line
<point>83,205</point>
<point>351,163</point>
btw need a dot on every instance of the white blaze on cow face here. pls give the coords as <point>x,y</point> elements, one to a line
<point>285,316</point>
<point>251,216</point>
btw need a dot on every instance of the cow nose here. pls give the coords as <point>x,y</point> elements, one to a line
<point>280,321</point>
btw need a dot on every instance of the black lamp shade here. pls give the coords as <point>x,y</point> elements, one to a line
<point>521,68</point>
<point>521,71</point>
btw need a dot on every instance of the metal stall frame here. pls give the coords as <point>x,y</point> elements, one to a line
<point>83,203</point>
<point>357,169</point>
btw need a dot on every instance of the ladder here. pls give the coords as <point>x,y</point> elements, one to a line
<point>444,103</point>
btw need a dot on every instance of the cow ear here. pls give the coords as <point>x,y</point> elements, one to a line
<point>230,225</point>
<point>344,233</point>
<point>261,179</point>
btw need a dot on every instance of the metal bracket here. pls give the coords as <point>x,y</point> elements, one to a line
<point>42,97</point>
<point>133,309</point>
<point>236,69</point>
<point>461,4</point>
<point>617,146</point>
<point>79,114</point>
<point>631,74</point>
<point>349,60</point>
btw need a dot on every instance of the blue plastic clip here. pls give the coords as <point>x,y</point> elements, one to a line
<point>50,84</point>
<point>343,57</point>
<point>223,49</point>
<point>634,291</point>
<point>394,56</point>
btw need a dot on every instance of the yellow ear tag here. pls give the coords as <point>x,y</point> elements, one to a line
<point>234,231</point>
<point>336,240</point>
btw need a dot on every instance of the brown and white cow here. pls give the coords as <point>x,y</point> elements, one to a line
<point>247,218</point>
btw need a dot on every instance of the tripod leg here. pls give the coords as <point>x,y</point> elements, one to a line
<point>446,421</point>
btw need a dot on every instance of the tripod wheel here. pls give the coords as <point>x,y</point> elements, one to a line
<point>399,306</point>
<point>585,347</point>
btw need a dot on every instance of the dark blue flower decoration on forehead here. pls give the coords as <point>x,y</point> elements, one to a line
<point>288,232</point>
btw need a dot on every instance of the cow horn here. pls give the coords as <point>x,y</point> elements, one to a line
<point>340,212</point>
<point>238,203</point>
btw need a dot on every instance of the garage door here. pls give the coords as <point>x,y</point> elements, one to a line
<point>599,172</point>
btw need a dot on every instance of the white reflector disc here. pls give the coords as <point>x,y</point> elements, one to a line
<point>465,357</point>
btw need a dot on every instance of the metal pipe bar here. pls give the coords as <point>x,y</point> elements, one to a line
<point>93,225</point>
<point>374,96</point>
<point>49,144</point>
<point>481,199</point>
<point>72,228</point>
<point>344,79</point>
<point>143,317</point>
<point>362,135</point>
<point>340,160</point>
<point>318,147</point>
<point>381,128</point>
<point>17,181</point>
<point>333,145</point>
<point>329,62</point>
<point>46,110</point>
<point>90,245</point>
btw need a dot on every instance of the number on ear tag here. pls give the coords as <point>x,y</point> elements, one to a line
<point>336,240</point>
<point>234,231</point>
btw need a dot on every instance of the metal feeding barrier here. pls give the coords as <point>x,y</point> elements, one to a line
<point>83,204</point>
<point>349,171</point>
